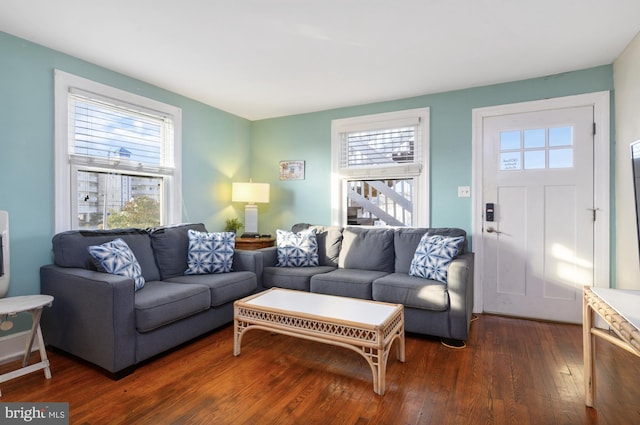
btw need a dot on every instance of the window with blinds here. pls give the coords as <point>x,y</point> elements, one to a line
<point>378,147</point>
<point>118,135</point>
<point>381,164</point>
<point>368,148</point>
<point>117,157</point>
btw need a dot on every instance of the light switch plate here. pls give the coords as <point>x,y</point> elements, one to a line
<point>464,191</point>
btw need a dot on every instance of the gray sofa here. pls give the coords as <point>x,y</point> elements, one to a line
<point>99,317</point>
<point>373,264</point>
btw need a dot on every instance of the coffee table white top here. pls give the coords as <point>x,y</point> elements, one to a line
<point>625,302</point>
<point>330,306</point>
<point>12,305</point>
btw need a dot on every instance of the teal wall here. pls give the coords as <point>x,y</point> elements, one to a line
<point>215,151</point>
<point>308,137</point>
<point>219,148</point>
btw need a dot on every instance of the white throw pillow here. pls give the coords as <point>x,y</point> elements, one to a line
<point>116,257</point>
<point>210,252</point>
<point>433,256</point>
<point>297,249</point>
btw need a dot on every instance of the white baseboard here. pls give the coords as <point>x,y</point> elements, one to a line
<point>12,346</point>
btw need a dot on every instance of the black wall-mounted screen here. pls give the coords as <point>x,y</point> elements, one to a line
<point>635,161</point>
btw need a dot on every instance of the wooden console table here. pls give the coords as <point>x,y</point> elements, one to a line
<point>254,243</point>
<point>619,309</point>
<point>34,305</point>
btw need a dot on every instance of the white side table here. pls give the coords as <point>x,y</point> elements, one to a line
<point>34,305</point>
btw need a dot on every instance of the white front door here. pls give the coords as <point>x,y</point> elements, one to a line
<point>538,184</point>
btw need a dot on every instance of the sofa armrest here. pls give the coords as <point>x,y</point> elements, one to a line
<point>92,315</point>
<point>460,287</point>
<point>269,256</point>
<point>248,261</point>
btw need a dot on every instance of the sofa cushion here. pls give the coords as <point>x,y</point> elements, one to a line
<point>160,303</point>
<point>297,249</point>
<point>406,240</point>
<point>329,242</point>
<point>210,252</point>
<point>433,256</point>
<point>70,248</point>
<point>223,287</point>
<point>367,249</point>
<point>291,277</point>
<point>345,282</point>
<point>171,246</point>
<point>116,257</point>
<point>411,291</point>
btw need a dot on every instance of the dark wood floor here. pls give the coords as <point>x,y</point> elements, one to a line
<point>512,372</point>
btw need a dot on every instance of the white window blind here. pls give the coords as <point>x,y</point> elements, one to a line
<point>393,147</point>
<point>118,135</point>
<point>378,147</point>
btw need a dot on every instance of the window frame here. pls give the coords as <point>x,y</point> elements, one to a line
<point>418,170</point>
<point>65,171</point>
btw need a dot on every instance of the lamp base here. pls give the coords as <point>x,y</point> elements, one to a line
<point>250,235</point>
<point>250,219</point>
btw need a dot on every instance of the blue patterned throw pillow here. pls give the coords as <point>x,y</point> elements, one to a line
<point>297,249</point>
<point>116,257</point>
<point>210,252</point>
<point>433,256</point>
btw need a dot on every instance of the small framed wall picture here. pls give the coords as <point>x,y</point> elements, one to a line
<point>291,170</point>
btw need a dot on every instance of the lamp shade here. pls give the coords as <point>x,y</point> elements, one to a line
<point>250,192</point>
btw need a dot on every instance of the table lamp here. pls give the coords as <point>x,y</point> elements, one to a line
<point>251,193</point>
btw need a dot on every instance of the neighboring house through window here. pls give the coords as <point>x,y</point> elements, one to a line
<point>117,157</point>
<point>380,168</point>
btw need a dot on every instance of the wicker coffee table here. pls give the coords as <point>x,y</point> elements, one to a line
<point>366,327</point>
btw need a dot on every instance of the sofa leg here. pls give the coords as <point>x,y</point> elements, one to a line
<point>453,343</point>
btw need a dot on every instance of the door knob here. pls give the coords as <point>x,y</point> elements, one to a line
<point>492,230</point>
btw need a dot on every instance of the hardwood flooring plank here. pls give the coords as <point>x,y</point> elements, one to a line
<point>513,371</point>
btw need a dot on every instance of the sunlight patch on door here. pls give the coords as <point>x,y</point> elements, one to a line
<point>570,271</point>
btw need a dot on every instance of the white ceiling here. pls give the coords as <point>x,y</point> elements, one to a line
<point>267,58</point>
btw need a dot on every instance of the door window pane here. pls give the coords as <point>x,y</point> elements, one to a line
<point>534,138</point>
<point>534,159</point>
<point>561,158</point>
<point>561,136</point>
<point>510,161</point>
<point>509,140</point>
<point>540,148</point>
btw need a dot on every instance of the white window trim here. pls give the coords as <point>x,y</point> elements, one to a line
<point>375,121</point>
<point>63,170</point>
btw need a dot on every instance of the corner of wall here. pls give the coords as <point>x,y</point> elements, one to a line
<point>626,80</point>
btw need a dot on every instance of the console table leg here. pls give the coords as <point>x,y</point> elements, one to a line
<point>588,348</point>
